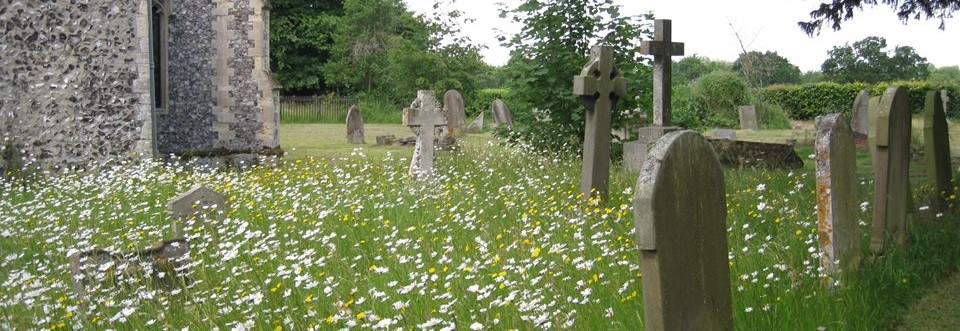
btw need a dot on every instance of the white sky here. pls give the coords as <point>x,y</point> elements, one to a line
<point>766,25</point>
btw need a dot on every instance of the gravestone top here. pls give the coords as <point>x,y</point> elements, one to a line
<point>748,118</point>
<point>198,200</point>
<point>936,137</point>
<point>355,125</point>
<point>680,217</point>
<point>501,114</point>
<point>662,48</point>
<point>861,113</point>
<point>599,86</point>
<point>456,114</point>
<point>836,170</point>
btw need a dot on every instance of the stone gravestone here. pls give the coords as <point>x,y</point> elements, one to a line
<point>477,125</point>
<point>599,87</point>
<point>945,95</point>
<point>836,168</point>
<point>199,200</point>
<point>424,121</point>
<point>355,125</point>
<point>861,117</point>
<point>889,139</point>
<point>501,114</point>
<point>456,114</point>
<point>936,138</point>
<point>662,48</point>
<point>748,118</point>
<point>725,134</point>
<point>680,215</point>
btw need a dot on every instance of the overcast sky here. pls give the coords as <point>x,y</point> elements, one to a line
<point>704,27</point>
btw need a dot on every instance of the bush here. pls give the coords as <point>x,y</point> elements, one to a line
<point>805,102</point>
<point>722,92</point>
<point>772,116</point>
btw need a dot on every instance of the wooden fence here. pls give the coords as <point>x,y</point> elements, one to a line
<point>314,109</point>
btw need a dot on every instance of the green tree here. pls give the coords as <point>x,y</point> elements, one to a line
<point>837,11</point>
<point>811,77</point>
<point>301,33</point>
<point>868,61</point>
<point>949,74</point>
<point>553,47</point>
<point>767,68</point>
<point>694,66</point>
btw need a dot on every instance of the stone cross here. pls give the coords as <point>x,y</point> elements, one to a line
<point>936,137</point>
<point>599,86</point>
<point>889,139</point>
<point>680,214</point>
<point>424,121</point>
<point>836,168</point>
<point>662,48</point>
<point>198,200</point>
<point>355,125</point>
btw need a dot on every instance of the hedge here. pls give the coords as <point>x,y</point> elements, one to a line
<point>805,102</point>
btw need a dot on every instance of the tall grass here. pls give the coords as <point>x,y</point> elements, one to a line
<point>500,240</point>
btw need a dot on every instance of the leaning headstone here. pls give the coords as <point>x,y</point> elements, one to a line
<point>936,137</point>
<point>861,118</point>
<point>599,87</point>
<point>889,138</point>
<point>424,120</point>
<point>680,214</point>
<point>725,134</point>
<point>477,125</point>
<point>456,114</point>
<point>748,118</point>
<point>199,200</point>
<point>662,48</point>
<point>355,125</point>
<point>501,114</point>
<point>837,204</point>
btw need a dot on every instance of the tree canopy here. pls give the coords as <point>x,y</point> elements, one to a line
<point>691,67</point>
<point>837,11</point>
<point>767,68</point>
<point>301,32</point>
<point>868,61</point>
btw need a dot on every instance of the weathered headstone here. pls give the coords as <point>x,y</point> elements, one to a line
<point>725,134</point>
<point>501,114</point>
<point>936,137</point>
<point>196,201</point>
<point>477,125</point>
<point>680,215</point>
<point>456,114</point>
<point>861,117</point>
<point>599,87</point>
<point>837,204</point>
<point>889,138</point>
<point>748,118</point>
<point>945,95</point>
<point>424,120</point>
<point>355,125</point>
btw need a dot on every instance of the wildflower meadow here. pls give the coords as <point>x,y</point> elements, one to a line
<point>501,240</point>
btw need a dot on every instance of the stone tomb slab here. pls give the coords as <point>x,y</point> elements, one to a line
<point>889,139</point>
<point>680,215</point>
<point>163,263</point>
<point>836,169</point>
<point>936,137</point>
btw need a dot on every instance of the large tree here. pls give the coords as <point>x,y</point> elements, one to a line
<point>691,67</point>
<point>553,47</point>
<point>868,61</point>
<point>301,32</point>
<point>767,68</point>
<point>837,11</point>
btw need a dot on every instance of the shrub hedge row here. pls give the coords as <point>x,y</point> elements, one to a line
<point>805,102</point>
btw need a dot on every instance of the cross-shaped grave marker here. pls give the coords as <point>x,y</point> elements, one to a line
<point>599,86</point>
<point>662,48</point>
<point>426,118</point>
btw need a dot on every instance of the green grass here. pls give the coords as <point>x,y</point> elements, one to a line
<point>339,238</point>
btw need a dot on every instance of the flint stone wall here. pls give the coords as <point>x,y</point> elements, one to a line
<point>74,82</point>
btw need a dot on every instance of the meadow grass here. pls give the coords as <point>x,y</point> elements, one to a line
<point>502,239</point>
